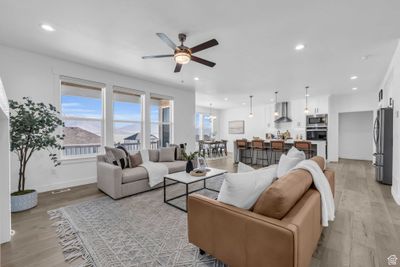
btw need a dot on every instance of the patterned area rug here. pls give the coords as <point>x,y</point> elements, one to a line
<point>136,231</point>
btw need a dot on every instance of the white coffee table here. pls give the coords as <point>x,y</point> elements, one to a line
<point>187,179</point>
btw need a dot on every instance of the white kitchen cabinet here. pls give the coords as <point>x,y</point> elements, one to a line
<point>318,105</point>
<point>296,111</point>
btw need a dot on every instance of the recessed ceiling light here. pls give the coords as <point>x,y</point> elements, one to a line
<point>47,27</point>
<point>243,103</point>
<point>225,99</point>
<point>307,95</point>
<point>196,78</point>
<point>354,88</point>
<point>366,57</point>
<point>353,77</point>
<point>299,47</point>
<point>272,100</point>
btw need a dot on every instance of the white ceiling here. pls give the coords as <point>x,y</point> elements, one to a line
<point>255,54</point>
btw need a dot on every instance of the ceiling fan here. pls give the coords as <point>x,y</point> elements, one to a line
<point>183,54</point>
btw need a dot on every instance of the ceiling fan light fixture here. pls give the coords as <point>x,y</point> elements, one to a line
<point>182,58</point>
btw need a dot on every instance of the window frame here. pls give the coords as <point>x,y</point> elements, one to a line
<point>202,117</point>
<point>160,123</point>
<point>132,92</point>
<point>89,85</point>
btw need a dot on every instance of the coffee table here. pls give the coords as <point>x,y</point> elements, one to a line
<point>187,179</point>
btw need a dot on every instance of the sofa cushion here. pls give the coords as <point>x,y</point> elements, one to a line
<point>136,159</point>
<point>280,197</point>
<point>154,155</point>
<point>134,174</point>
<point>175,166</point>
<point>167,154</point>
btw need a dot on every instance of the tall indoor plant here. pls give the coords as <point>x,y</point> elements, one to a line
<point>32,128</point>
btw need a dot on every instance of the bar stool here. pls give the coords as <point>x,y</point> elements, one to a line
<point>258,146</point>
<point>277,146</point>
<point>223,147</point>
<point>306,147</point>
<point>242,147</point>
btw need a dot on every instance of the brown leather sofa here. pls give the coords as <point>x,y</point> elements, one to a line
<point>281,230</point>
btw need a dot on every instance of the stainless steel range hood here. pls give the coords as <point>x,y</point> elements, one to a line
<point>283,111</point>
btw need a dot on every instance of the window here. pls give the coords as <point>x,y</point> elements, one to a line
<point>128,123</point>
<point>161,122</point>
<point>205,125</point>
<point>82,113</point>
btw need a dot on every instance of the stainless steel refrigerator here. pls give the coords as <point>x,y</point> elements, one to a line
<point>383,138</point>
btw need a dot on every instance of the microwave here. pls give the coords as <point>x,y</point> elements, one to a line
<point>317,121</point>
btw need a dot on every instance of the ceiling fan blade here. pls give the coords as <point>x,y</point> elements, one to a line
<point>157,56</point>
<point>203,46</point>
<point>178,68</point>
<point>166,40</point>
<point>203,61</point>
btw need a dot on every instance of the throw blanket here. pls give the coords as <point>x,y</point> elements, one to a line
<point>156,171</point>
<point>322,185</point>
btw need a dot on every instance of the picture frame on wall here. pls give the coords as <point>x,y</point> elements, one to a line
<point>236,127</point>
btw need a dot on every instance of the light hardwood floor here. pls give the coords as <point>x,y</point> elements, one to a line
<point>366,230</point>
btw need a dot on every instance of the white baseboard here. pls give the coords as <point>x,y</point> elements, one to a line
<point>396,195</point>
<point>66,184</point>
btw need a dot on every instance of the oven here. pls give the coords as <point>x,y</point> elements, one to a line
<point>317,121</point>
<point>317,134</point>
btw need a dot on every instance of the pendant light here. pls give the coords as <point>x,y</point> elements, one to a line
<point>211,116</point>
<point>276,114</point>
<point>251,115</point>
<point>306,111</point>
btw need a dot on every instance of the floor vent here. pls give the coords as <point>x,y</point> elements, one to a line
<point>60,191</point>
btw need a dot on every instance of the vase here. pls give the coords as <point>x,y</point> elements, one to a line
<point>24,201</point>
<point>189,166</point>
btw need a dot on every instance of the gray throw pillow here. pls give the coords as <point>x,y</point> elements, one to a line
<point>154,155</point>
<point>117,157</point>
<point>178,151</point>
<point>136,159</point>
<point>167,154</point>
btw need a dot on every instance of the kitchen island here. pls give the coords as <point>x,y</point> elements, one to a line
<point>318,146</point>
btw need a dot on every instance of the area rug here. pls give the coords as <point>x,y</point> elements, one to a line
<point>136,231</point>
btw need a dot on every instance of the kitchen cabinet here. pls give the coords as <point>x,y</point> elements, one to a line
<point>297,114</point>
<point>318,105</point>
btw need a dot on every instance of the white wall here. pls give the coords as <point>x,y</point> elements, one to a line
<point>355,135</point>
<point>29,74</point>
<point>391,89</point>
<point>362,101</point>
<point>5,209</point>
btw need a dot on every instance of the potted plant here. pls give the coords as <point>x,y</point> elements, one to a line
<point>189,157</point>
<point>32,127</point>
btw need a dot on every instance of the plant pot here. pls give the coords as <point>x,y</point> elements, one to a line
<point>26,200</point>
<point>189,166</point>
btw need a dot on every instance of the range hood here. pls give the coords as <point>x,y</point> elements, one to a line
<point>283,111</point>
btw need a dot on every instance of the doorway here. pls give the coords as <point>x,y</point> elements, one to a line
<point>356,135</point>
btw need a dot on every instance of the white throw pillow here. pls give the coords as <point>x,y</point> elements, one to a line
<point>287,163</point>
<point>144,153</point>
<point>244,168</point>
<point>243,189</point>
<point>295,153</point>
